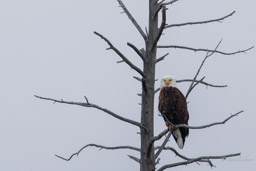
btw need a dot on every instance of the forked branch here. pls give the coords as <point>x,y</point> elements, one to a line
<point>161,29</point>
<point>163,145</point>
<point>204,126</point>
<point>137,51</point>
<point>134,22</point>
<point>90,105</point>
<point>168,3</point>
<point>198,82</point>
<point>201,82</point>
<point>182,156</point>
<point>100,147</point>
<point>120,54</point>
<point>199,159</point>
<point>158,137</point>
<point>171,2</point>
<point>200,22</point>
<point>205,50</point>
<point>161,4</point>
<point>193,84</point>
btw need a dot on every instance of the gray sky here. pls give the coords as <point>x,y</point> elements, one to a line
<point>48,48</point>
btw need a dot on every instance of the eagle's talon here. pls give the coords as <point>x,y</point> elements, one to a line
<point>166,123</point>
<point>170,128</point>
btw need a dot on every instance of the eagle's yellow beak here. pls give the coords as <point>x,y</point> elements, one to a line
<point>167,82</point>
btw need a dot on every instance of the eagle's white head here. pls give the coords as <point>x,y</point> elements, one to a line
<point>168,81</point>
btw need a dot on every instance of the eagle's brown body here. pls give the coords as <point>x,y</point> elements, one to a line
<point>173,106</point>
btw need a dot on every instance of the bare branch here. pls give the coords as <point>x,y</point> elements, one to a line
<point>120,54</point>
<point>205,50</point>
<point>157,90</point>
<point>201,22</point>
<point>197,81</point>
<point>201,82</point>
<point>120,61</point>
<point>161,58</point>
<point>161,4</point>
<point>142,50</point>
<point>197,160</point>
<point>137,78</point>
<point>163,145</point>
<point>157,11</point>
<point>161,29</point>
<point>146,29</point>
<point>101,147</point>
<point>204,126</point>
<point>159,136</point>
<point>182,156</point>
<point>158,161</point>
<point>134,158</point>
<point>170,3</point>
<point>156,1</point>
<point>192,86</point>
<point>186,126</point>
<point>132,19</point>
<point>87,101</point>
<point>90,105</point>
<point>136,50</point>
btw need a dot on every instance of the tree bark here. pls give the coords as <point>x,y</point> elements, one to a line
<point>147,110</point>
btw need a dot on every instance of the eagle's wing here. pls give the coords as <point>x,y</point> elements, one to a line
<point>173,106</point>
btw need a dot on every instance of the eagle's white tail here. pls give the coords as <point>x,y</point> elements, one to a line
<point>178,136</point>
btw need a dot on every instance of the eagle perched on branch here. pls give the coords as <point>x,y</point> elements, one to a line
<point>173,107</point>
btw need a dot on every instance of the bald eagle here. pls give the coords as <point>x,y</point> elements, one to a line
<point>173,107</point>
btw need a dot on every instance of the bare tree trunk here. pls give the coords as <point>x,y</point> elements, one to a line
<point>148,157</point>
<point>147,110</point>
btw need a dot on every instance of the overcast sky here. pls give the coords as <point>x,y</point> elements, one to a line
<point>47,48</point>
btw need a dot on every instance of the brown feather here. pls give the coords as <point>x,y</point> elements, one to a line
<point>173,105</point>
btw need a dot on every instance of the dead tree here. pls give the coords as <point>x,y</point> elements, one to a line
<point>149,153</point>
